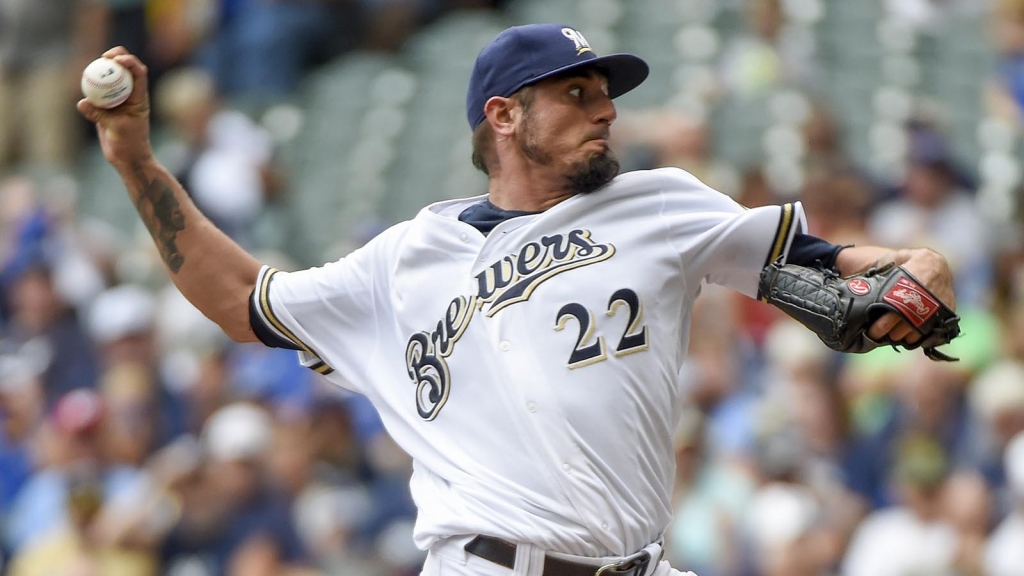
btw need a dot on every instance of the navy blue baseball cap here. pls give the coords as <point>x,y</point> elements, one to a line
<point>524,55</point>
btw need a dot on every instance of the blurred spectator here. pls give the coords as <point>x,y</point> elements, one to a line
<point>58,551</point>
<point>333,504</point>
<point>50,264</point>
<point>1011,325</point>
<point>782,521</point>
<point>120,321</point>
<point>290,456</point>
<point>390,22</point>
<point>1008,286</point>
<point>349,455</point>
<point>1006,96</point>
<point>24,225</point>
<point>712,495</point>
<point>997,397</point>
<point>252,532</point>
<point>209,391</point>
<point>43,325</point>
<point>766,55</point>
<point>1003,551</point>
<point>936,210</point>
<point>21,409</point>
<point>933,16</point>
<point>837,206</point>
<point>756,189</point>
<point>930,400</point>
<point>838,195</point>
<point>754,319</point>
<point>193,359</point>
<point>714,375</point>
<point>133,429</point>
<point>334,508</point>
<point>826,154</point>
<point>802,514</point>
<point>162,33</point>
<point>223,158</point>
<point>838,464</point>
<point>43,46</point>
<point>179,27</point>
<point>337,448</point>
<point>127,27</point>
<point>387,24</point>
<point>670,138</point>
<point>144,411</point>
<point>260,49</point>
<point>967,505</point>
<point>72,547</point>
<point>187,534</point>
<point>39,223</point>
<point>912,537</point>
<point>71,439</point>
<point>271,376</point>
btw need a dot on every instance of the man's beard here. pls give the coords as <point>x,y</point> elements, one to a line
<point>585,176</point>
<point>593,173</point>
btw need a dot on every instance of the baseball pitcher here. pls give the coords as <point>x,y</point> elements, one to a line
<point>524,345</point>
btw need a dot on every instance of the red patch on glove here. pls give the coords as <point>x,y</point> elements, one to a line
<point>915,303</point>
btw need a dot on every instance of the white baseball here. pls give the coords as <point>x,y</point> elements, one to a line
<point>105,83</point>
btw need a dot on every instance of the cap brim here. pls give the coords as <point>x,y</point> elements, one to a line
<point>624,71</point>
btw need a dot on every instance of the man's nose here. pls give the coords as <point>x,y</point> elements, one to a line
<point>605,112</point>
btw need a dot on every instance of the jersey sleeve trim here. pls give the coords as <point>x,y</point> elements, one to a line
<point>268,319</point>
<point>791,221</point>
<point>265,334</point>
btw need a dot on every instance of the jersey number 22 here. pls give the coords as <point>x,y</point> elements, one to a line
<point>633,339</point>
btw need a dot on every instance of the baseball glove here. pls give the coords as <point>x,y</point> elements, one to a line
<point>840,310</point>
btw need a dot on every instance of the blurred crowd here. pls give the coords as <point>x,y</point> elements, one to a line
<point>255,49</point>
<point>136,439</point>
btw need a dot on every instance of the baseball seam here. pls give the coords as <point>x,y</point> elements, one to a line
<point>104,84</point>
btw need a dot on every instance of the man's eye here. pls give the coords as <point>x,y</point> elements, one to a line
<point>576,92</point>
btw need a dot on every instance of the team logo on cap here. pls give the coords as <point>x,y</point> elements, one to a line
<point>582,45</point>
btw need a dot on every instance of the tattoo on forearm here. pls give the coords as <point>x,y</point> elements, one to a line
<point>161,212</point>
<point>884,260</point>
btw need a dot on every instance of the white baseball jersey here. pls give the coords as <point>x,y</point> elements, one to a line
<point>532,374</point>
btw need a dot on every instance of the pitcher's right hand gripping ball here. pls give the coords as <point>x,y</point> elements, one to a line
<point>840,310</point>
<point>105,83</point>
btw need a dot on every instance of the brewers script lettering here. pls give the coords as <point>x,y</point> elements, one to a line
<point>504,283</point>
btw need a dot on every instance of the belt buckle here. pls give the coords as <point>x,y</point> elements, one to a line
<point>635,567</point>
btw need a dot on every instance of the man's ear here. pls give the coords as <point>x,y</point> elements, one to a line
<point>502,113</point>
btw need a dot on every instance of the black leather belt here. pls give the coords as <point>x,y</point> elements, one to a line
<point>504,554</point>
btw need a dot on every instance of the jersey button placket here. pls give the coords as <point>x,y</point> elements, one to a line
<point>505,346</point>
